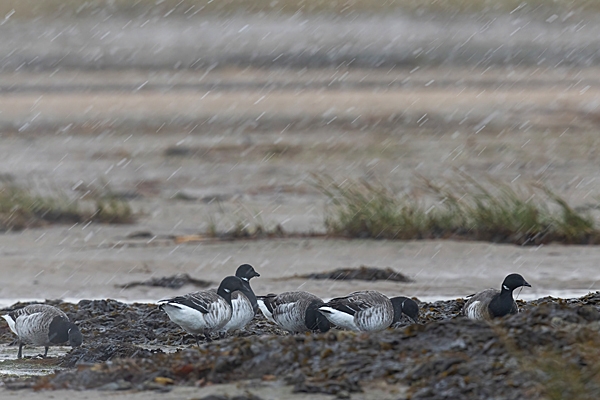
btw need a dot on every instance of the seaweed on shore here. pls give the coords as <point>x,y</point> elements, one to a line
<point>446,357</point>
<point>363,273</point>
<point>172,282</point>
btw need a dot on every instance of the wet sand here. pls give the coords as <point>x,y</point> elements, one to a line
<point>440,269</point>
<point>184,172</point>
<point>263,390</point>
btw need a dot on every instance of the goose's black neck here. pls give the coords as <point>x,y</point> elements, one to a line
<point>404,306</point>
<point>314,320</point>
<point>228,285</point>
<point>503,303</point>
<point>249,293</point>
<point>58,331</point>
<point>224,293</point>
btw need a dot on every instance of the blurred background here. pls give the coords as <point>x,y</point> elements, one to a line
<point>145,138</point>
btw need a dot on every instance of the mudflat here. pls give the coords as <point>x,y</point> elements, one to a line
<point>189,158</point>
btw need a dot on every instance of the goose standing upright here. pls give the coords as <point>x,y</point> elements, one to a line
<point>369,310</point>
<point>296,312</point>
<point>42,325</point>
<point>492,303</point>
<point>244,305</point>
<point>206,311</point>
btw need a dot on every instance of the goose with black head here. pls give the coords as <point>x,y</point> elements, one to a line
<point>369,311</point>
<point>43,325</point>
<point>493,303</point>
<point>296,312</point>
<point>205,311</point>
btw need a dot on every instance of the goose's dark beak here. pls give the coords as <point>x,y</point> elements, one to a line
<point>256,274</point>
<point>526,284</point>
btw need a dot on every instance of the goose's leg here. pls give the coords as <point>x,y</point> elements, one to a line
<point>207,336</point>
<point>20,354</point>
<point>197,340</point>
<point>45,352</point>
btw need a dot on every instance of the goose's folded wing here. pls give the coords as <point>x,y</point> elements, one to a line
<point>349,304</point>
<point>200,301</point>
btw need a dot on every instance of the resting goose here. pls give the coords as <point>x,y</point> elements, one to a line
<point>244,305</point>
<point>42,325</point>
<point>206,311</point>
<point>369,310</point>
<point>296,312</point>
<point>492,303</point>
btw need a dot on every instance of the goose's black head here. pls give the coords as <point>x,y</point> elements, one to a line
<point>405,306</point>
<point>513,281</point>
<point>75,336</point>
<point>229,285</point>
<point>61,330</point>
<point>314,320</point>
<point>246,272</point>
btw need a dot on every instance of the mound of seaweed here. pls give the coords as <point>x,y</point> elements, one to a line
<point>326,363</point>
<point>113,329</point>
<point>172,282</point>
<point>362,273</point>
<point>549,350</point>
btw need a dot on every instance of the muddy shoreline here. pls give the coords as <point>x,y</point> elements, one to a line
<point>299,41</point>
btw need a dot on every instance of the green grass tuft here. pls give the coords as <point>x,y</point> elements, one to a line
<point>20,209</point>
<point>241,224</point>
<point>462,208</point>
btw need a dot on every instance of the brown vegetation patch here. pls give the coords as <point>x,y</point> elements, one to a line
<point>234,151</point>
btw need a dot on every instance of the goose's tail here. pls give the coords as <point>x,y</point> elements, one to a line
<point>11,323</point>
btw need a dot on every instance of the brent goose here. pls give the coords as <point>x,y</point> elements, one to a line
<point>369,310</point>
<point>492,303</point>
<point>296,312</point>
<point>42,325</point>
<point>206,311</point>
<point>244,306</point>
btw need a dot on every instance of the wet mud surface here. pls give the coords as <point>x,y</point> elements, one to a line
<point>134,346</point>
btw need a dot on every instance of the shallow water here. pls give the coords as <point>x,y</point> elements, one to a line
<point>525,295</point>
<point>10,366</point>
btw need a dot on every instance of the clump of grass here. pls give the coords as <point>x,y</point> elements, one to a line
<point>112,210</point>
<point>366,211</point>
<point>20,209</point>
<point>462,208</point>
<point>247,230</point>
<point>242,225</point>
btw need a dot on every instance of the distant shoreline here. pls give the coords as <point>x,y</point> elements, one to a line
<point>305,41</point>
